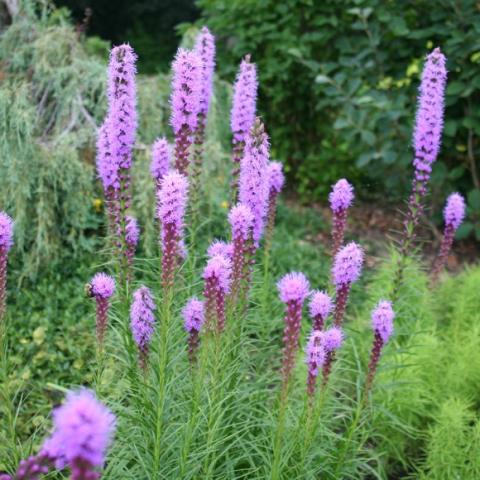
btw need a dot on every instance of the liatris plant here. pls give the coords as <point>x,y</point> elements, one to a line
<point>160,164</point>
<point>33,468</point>
<point>276,180</point>
<point>332,341</point>
<point>243,111</point>
<point>346,270</point>
<point>254,178</point>
<point>205,49</point>
<point>314,358</point>
<point>217,281</point>
<point>341,198</point>
<point>320,307</point>
<point>185,103</point>
<point>219,247</point>
<point>82,432</point>
<point>382,325</point>
<point>6,242</point>
<point>194,315</point>
<point>142,322</point>
<point>453,215</point>
<point>241,221</point>
<point>172,202</point>
<point>293,289</point>
<point>132,235</point>
<point>102,287</point>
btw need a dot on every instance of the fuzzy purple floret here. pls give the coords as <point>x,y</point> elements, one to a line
<point>241,220</point>
<point>244,100</point>
<point>6,232</point>
<point>429,119</point>
<point>320,304</point>
<point>103,285</point>
<point>276,178</point>
<point>219,247</point>
<point>205,49</point>
<point>142,317</point>
<point>347,266</point>
<point>193,315</point>
<point>454,211</point>
<point>122,99</point>
<point>315,353</point>
<point>341,197</point>
<point>220,268</point>
<point>132,232</point>
<point>161,154</point>
<point>172,198</point>
<point>293,287</point>
<point>186,90</point>
<point>332,339</point>
<point>254,182</point>
<point>382,319</point>
<point>83,429</point>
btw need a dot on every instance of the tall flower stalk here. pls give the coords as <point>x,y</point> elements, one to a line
<point>132,235</point>
<point>320,307</point>
<point>243,113</point>
<point>333,339</point>
<point>185,103</point>
<point>6,243</point>
<point>453,214</point>
<point>341,198</point>
<point>194,316</point>
<point>314,358</point>
<point>276,180</point>
<point>160,164</point>
<point>101,288</point>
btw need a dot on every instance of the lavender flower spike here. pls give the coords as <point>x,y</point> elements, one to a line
<point>142,322</point>
<point>194,316</point>
<point>217,281</point>
<point>314,358</point>
<point>382,325</point>
<point>346,270</point>
<point>205,49</point>
<point>219,247</point>
<point>160,164</point>
<point>254,179</point>
<point>6,242</point>
<point>132,235</point>
<point>453,214</point>
<point>102,287</point>
<point>82,432</point>
<point>332,341</point>
<point>320,307</point>
<point>276,180</point>
<point>33,468</point>
<point>185,103</point>
<point>293,289</point>
<point>341,198</point>
<point>172,203</point>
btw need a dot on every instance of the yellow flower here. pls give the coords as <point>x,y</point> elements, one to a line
<point>97,204</point>
<point>224,204</point>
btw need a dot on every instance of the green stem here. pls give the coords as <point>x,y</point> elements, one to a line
<point>277,443</point>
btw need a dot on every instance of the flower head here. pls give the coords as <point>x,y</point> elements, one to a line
<point>382,319</point>
<point>107,163</point>
<point>142,317</point>
<point>6,232</point>
<point>193,315</point>
<point>205,49</point>
<point>186,90</point>
<point>160,159</point>
<point>333,339</point>
<point>293,287</point>
<point>276,177</point>
<point>341,197</point>
<point>454,211</point>
<point>132,232</point>
<point>241,220</point>
<point>173,198</point>
<point>218,247</point>
<point>429,120</point>
<point>82,430</point>
<point>244,100</point>
<point>315,353</point>
<point>320,305</point>
<point>219,267</point>
<point>103,285</point>
<point>347,266</point>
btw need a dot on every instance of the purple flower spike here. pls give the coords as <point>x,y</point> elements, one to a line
<point>315,356</point>
<point>33,468</point>
<point>132,235</point>
<point>333,339</point>
<point>217,281</point>
<point>185,102</point>
<point>194,316</point>
<point>346,269</point>
<point>454,212</point>
<point>341,198</point>
<point>293,289</point>
<point>172,203</point>
<point>205,49</point>
<point>161,153</point>
<point>382,325</point>
<point>6,242</point>
<point>102,287</point>
<point>320,307</point>
<point>254,180</point>
<point>218,247</point>
<point>276,180</point>
<point>142,322</point>
<point>82,432</point>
